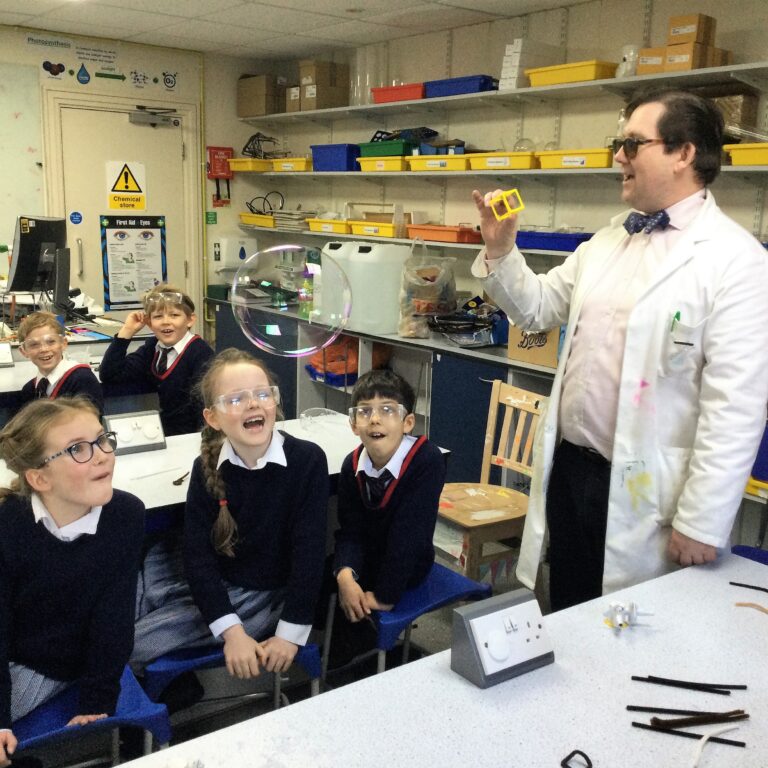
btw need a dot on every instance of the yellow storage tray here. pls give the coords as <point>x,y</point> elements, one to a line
<point>575,72</point>
<point>438,162</point>
<point>337,226</point>
<point>372,228</point>
<point>516,161</point>
<point>249,164</point>
<point>382,163</point>
<point>292,164</point>
<point>748,154</point>
<point>576,158</point>
<point>258,219</point>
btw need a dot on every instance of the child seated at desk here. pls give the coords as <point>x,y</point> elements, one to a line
<point>171,363</point>
<point>389,490</point>
<point>254,531</point>
<point>43,341</point>
<point>70,549</point>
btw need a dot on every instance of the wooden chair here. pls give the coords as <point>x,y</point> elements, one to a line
<point>491,513</point>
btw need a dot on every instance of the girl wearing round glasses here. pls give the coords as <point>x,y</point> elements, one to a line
<point>70,549</point>
<point>254,530</point>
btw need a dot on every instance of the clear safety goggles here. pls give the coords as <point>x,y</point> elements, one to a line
<point>237,402</point>
<point>362,414</point>
<point>47,342</point>
<point>159,300</point>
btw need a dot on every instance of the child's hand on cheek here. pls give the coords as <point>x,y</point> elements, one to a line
<point>132,324</point>
<point>278,654</point>
<point>241,653</point>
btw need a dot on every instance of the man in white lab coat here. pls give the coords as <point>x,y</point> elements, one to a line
<point>659,401</point>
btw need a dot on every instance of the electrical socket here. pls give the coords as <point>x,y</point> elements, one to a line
<point>499,638</point>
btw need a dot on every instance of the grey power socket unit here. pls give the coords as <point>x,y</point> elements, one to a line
<point>499,638</point>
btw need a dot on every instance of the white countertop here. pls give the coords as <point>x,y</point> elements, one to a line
<point>424,714</point>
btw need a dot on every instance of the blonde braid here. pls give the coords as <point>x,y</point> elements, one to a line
<point>224,531</point>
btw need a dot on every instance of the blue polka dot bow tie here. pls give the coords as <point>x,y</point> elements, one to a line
<point>638,222</point>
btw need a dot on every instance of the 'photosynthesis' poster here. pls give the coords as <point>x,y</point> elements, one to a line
<point>133,255</point>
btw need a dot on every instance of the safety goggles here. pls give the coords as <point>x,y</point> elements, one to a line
<point>82,452</point>
<point>158,300</point>
<point>362,414</point>
<point>631,146</point>
<point>47,342</point>
<point>237,402</point>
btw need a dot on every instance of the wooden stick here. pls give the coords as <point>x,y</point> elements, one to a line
<point>748,586</point>
<point>679,684</point>
<point>665,711</point>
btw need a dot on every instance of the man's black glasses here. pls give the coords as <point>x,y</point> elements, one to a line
<point>630,145</point>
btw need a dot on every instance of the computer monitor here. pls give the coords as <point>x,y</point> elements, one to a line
<point>40,260</point>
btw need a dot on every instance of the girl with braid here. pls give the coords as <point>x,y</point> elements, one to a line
<point>254,529</point>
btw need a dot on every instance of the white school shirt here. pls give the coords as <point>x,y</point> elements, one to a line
<point>56,374</point>
<point>88,523</point>
<point>294,633</point>
<point>177,348</point>
<point>394,465</point>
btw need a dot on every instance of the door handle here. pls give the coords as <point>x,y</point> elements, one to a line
<point>79,257</point>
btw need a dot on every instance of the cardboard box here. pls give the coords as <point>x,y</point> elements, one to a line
<point>326,73</point>
<point>293,99</point>
<point>257,95</point>
<point>324,96</point>
<point>651,60</point>
<point>719,57</point>
<point>680,58</point>
<point>692,28</point>
<point>535,347</point>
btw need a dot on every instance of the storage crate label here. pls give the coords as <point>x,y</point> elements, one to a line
<point>286,166</point>
<point>678,58</point>
<point>380,165</point>
<point>574,161</point>
<point>371,230</point>
<point>436,163</point>
<point>655,60</point>
<point>326,227</point>
<point>684,30</point>
<point>497,162</point>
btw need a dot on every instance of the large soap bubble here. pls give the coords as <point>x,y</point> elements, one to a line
<point>276,287</point>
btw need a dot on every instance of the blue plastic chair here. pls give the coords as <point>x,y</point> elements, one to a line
<point>441,587</point>
<point>159,673</point>
<point>751,553</point>
<point>48,723</point>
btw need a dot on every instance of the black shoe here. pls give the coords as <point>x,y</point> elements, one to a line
<point>182,692</point>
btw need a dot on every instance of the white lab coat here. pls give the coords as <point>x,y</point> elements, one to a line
<point>692,399</point>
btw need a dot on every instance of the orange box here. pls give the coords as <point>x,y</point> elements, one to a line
<point>691,28</point>
<point>651,60</point>
<point>535,347</point>
<point>680,58</point>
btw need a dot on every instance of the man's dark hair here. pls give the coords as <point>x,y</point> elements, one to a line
<point>385,384</point>
<point>688,118</point>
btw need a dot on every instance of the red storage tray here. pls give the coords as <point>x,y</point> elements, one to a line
<point>444,234</point>
<point>406,92</point>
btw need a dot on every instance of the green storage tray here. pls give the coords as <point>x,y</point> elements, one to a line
<point>386,148</point>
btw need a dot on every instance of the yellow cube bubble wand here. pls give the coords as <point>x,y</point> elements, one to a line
<point>512,202</point>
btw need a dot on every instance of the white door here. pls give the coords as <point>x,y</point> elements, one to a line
<point>95,139</point>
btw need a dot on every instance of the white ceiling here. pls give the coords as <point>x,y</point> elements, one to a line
<point>266,30</point>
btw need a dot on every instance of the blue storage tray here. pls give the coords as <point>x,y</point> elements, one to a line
<point>427,149</point>
<point>551,241</point>
<point>334,379</point>
<point>335,157</point>
<point>453,86</point>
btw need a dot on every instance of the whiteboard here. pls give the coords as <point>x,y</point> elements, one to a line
<point>21,179</point>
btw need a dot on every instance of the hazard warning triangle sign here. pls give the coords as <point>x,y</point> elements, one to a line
<point>126,181</point>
